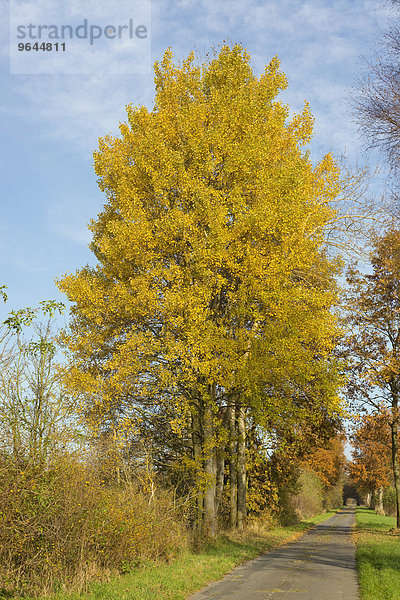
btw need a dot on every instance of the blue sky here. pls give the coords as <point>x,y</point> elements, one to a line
<point>51,123</point>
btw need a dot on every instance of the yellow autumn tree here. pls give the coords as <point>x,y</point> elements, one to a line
<point>211,293</point>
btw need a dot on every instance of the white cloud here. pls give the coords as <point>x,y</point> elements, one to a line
<point>319,43</point>
<point>76,109</point>
<point>82,34</point>
<point>60,117</point>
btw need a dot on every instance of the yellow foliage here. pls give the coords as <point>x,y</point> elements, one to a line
<point>210,266</point>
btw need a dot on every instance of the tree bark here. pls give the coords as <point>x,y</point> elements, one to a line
<point>232,466</point>
<point>395,458</point>
<point>379,501</point>
<point>241,468</point>
<point>198,458</point>
<point>220,478</point>
<point>210,471</point>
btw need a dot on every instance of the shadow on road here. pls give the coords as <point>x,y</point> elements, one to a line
<point>318,566</point>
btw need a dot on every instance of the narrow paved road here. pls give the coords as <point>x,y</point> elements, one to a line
<point>318,566</point>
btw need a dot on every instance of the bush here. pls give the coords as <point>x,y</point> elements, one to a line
<point>308,501</point>
<point>61,527</point>
<point>333,497</point>
<point>288,514</point>
<point>389,501</point>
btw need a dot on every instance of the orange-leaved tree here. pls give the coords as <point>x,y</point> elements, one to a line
<point>328,461</point>
<point>373,303</point>
<point>371,468</point>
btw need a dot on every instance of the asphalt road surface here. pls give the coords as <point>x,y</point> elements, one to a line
<point>318,566</point>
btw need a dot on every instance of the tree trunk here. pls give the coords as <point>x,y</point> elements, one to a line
<point>232,466</point>
<point>220,479</point>
<point>241,468</point>
<point>116,456</point>
<point>198,458</point>
<point>210,471</point>
<point>379,502</point>
<point>395,461</point>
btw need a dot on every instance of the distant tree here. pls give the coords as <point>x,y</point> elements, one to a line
<point>277,454</point>
<point>371,468</point>
<point>373,304</point>
<point>328,461</point>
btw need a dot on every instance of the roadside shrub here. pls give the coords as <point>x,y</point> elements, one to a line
<point>288,514</point>
<point>61,526</point>
<point>333,497</point>
<point>389,502</point>
<point>308,501</point>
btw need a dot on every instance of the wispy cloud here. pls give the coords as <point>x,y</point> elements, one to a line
<point>54,121</point>
<point>85,38</point>
<point>319,43</point>
<point>77,110</point>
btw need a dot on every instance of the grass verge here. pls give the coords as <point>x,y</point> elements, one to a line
<point>378,556</point>
<point>190,572</point>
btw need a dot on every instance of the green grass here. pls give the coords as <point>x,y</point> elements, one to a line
<point>378,556</point>
<point>190,572</point>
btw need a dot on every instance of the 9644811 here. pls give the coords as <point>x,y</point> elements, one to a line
<point>44,46</point>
